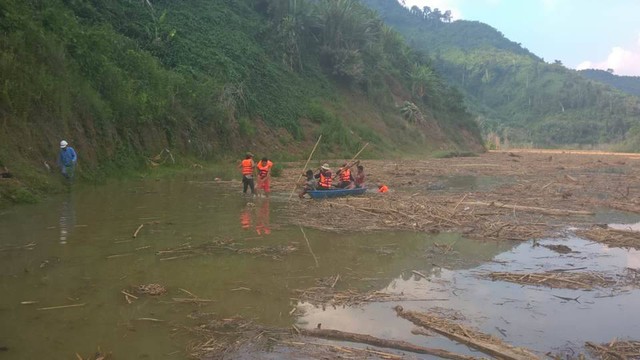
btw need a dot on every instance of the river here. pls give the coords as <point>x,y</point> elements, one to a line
<point>66,263</point>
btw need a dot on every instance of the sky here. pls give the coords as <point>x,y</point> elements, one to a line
<point>582,34</point>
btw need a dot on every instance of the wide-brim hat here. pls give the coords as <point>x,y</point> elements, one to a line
<point>325,167</point>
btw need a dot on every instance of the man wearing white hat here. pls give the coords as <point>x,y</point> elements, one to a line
<point>324,177</point>
<point>67,160</point>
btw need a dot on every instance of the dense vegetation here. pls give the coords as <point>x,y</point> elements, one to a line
<point>123,80</point>
<point>628,84</point>
<point>517,95</point>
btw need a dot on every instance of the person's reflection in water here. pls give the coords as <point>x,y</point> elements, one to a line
<point>67,219</point>
<point>245,216</point>
<point>262,223</point>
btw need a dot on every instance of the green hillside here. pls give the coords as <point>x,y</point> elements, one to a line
<point>515,94</point>
<point>123,80</point>
<point>627,84</point>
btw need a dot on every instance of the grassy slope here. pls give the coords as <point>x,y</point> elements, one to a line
<point>122,81</point>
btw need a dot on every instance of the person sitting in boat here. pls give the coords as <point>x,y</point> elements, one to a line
<point>324,177</point>
<point>359,179</point>
<point>309,183</point>
<point>344,173</point>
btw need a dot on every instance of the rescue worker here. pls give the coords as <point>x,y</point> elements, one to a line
<point>324,177</point>
<point>67,160</point>
<point>359,178</point>
<point>310,183</point>
<point>345,176</point>
<point>247,167</point>
<point>264,175</point>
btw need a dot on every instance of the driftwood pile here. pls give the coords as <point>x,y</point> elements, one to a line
<point>276,252</point>
<point>556,279</point>
<point>422,213</point>
<point>219,337</point>
<point>612,237</point>
<point>616,350</point>
<point>322,295</point>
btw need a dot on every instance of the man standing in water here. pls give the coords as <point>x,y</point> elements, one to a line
<point>67,160</point>
<point>247,166</point>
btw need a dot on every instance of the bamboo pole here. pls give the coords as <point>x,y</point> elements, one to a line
<point>384,343</point>
<point>60,307</point>
<point>310,249</point>
<point>361,150</point>
<point>350,163</point>
<point>305,166</point>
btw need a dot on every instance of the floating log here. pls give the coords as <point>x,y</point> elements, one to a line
<point>559,212</point>
<point>488,345</point>
<point>61,307</point>
<point>390,344</point>
<point>135,234</point>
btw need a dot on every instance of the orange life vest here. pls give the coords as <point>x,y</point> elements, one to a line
<point>263,169</point>
<point>247,166</point>
<point>345,175</point>
<point>383,189</point>
<point>325,181</point>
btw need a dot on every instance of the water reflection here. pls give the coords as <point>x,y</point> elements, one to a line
<point>246,215</point>
<point>67,218</point>
<point>262,224</point>
<point>257,217</point>
<point>530,316</point>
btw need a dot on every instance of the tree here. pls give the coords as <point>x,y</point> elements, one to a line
<point>411,113</point>
<point>423,81</point>
<point>447,16</point>
<point>415,11</point>
<point>426,11</point>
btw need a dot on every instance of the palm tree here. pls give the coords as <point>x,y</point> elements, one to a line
<point>424,81</point>
<point>411,112</point>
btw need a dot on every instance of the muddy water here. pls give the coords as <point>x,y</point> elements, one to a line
<point>78,249</point>
<point>528,316</point>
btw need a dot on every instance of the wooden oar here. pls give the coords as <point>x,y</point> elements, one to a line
<point>305,167</point>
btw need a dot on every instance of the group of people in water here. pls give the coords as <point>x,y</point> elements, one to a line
<point>323,179</point>
<point>248,168</point>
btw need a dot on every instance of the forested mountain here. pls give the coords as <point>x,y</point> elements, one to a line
<point>123,80</point>
<point>515,93</point>
<point>628,84</point>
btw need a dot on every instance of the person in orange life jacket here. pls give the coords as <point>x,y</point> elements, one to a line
<point>264,175</point>
<point>324,177</point>
<point>382,188</point>
<point>344,173</point>
<point>359,179</point>
<point>247,167</point>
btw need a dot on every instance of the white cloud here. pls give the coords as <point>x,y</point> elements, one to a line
<point>622,61</point>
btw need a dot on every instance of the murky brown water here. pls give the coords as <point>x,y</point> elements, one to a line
<point>78,249</point>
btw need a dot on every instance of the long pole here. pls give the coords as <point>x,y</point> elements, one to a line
<point>361,150</point>
<point>350,163</point>
<point>305,166</point>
